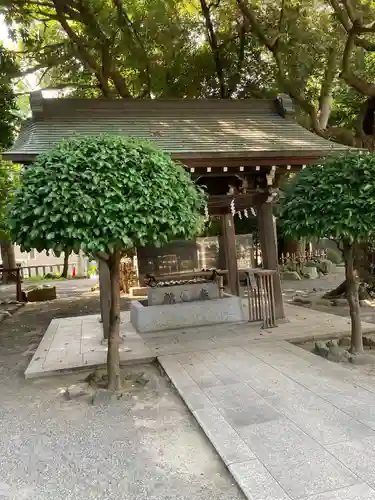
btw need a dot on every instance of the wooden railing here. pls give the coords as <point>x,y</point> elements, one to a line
<point>261,296</point>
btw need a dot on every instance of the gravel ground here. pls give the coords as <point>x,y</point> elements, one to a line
<point>145,446</point>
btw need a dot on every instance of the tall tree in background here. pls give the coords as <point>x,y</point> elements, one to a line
<point>320,52</point>
<point>8,173</point>
<point>8,107</point>
<point>160,48</point>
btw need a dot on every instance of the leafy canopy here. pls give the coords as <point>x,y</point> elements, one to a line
<point>8,107</point>
<point>334,200</point>
<point>103,194</point>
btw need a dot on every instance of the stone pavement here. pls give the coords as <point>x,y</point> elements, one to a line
<point>71,343</point>
<point>288,424</point>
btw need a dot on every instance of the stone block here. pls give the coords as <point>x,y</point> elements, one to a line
<point>187,314</point>
<point>41,294</point>
<point>327,266</point>
<point>182,293</point>
<point>104,397</point>
<point>310,272</point>
<point>321,348</point>
<point>302,300</point>
<point>77,390</point>
<point>369,340</point>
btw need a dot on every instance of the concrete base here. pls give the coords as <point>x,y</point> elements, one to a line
<point>187,314</point>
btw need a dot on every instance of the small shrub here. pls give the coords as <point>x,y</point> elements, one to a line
<point>93,271</point>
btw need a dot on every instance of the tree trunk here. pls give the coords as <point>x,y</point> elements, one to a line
<point>113,358</point>
<point>64,273</point>
<point>8,257</point>
<point>353,298</point>
<point>342,290</point>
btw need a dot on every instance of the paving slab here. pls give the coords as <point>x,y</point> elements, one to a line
<point>288,424</point>
<point>358,456</point>
<point>291,411</point>
<point>256,481</point>
<point>70,343</point>
<point>73,343</point>
<point>231,448</point>
<point>356,492</point>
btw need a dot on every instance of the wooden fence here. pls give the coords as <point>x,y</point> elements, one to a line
<point>261,296</point>
<point>32,271</point>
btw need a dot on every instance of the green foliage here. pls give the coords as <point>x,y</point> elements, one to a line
<point>143,47</point>
<point>333,200</point>
<point>164,48</point>
<point>8,108</point>
<point>103,194</point>
<point>9,180</point>
<point>93,271</point>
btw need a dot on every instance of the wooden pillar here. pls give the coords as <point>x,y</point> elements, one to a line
<point>229,243</point>
<point>268,244</point>
<point>105,296</point>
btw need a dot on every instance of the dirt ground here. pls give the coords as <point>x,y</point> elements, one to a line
<point>147,445</point>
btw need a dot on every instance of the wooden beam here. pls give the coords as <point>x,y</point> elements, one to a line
<point>229,242</point>
<point>268,244</point>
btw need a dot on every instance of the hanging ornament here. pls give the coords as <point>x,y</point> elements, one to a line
<point>239,215</point>
<point>246,213</point>
<point>253,212</point>
<point>206,214</point>
<point>232,207</point>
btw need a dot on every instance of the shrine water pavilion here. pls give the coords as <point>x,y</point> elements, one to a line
<point>238,149</point>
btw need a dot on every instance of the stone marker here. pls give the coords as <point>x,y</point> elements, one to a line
<point>41,294</point>
<point>369,340</point>
<point>104,397</point>
<point>310,272</point>
<point>302,300</point>
<point>321,348</point>
<point>77,390</point>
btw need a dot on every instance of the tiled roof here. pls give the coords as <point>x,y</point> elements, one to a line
<point>185,128</point>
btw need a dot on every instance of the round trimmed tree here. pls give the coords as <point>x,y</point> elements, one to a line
<point>104,196</point>
<point>336,200</point>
